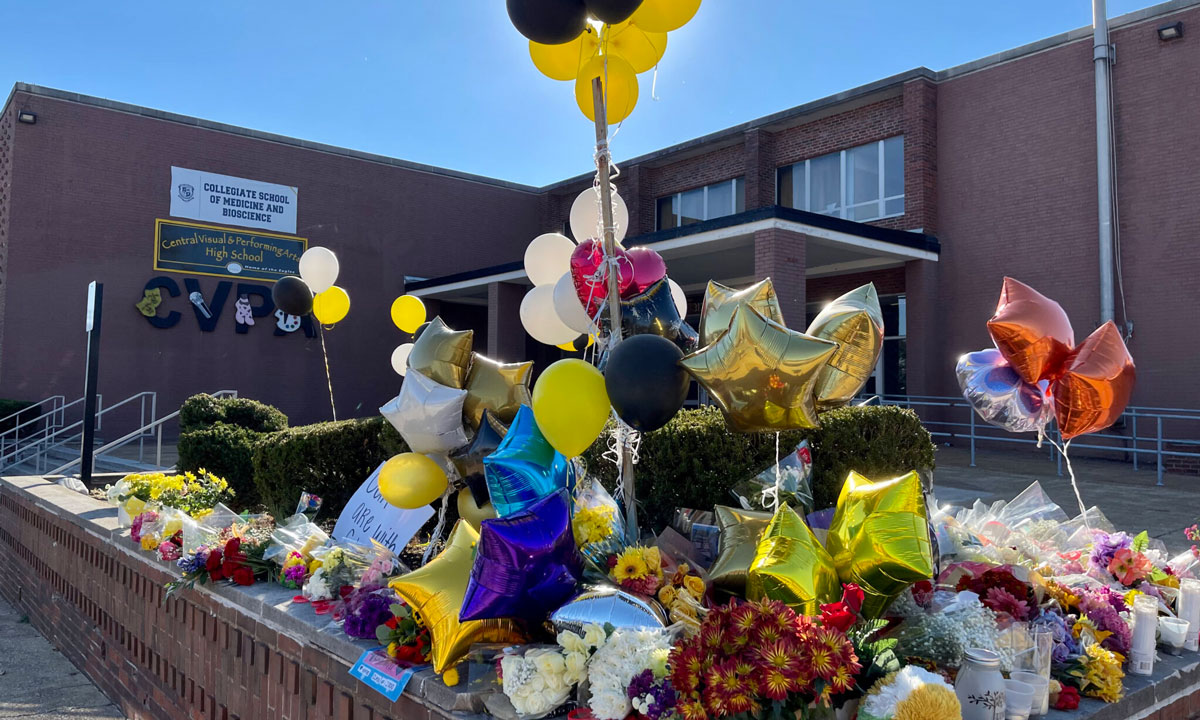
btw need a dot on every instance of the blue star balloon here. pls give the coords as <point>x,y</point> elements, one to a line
<point>524,468</point>
<point>526,564</point>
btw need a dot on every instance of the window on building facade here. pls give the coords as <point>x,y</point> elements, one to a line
<point>704,203</point>
<point>889,376</point>
<point>862,183</point>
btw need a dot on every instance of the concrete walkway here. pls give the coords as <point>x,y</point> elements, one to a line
<point>1130,500</point>
<point>37,682</point>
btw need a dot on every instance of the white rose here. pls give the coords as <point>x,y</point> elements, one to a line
<point>594,635</point>
<point>571,642</point>
<point>548,663</point>
<point>575,665</point>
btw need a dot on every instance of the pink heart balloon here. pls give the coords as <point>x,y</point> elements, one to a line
<point>648,268</point>
<point>591,286</point>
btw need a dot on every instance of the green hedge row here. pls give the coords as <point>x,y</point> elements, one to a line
<point>219,435</point>
<point>202,411</point>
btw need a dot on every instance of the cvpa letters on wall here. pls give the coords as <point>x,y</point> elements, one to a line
<point>164,304</point>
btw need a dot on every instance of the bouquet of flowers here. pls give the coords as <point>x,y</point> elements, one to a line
<point>637,568</point>
<point>235,554</point>
<point>193,493</point>
<point>650,693</point>
<point>942,631</point>
<point>911,694</point>
<point>341,566</point>
<point>404,636</point>
<point>1001,591</point>
<point>367,610</point>
<point>626,653</point>
<point>535,681</point>
<point>138,530</point>
<point>578,650</point>
<point>597,523</point>
<point>683,597</point>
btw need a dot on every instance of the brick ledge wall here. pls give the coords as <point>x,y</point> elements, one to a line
<point>216,653</point>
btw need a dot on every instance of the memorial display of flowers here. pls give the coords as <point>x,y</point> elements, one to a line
<point>193,493</point>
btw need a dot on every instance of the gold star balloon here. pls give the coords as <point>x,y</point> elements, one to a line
<point>879,537</point>
<point>435,593</point>
<point>791,566</point>
<point>721,301</point>
<point>855,322</point>
<point>740,531</point>
<point>761,374</point>
<point>501,388</point>
<point>442,354</point>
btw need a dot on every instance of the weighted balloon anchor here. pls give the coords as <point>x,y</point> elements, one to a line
<point>625,458</point>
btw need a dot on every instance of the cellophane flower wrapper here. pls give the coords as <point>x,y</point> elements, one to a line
<point>296,534</point>
<point>169,522</point>
<point>341,564</point>
<point>598,526</point>
<point>794,476</point>
<point>627,652</point>
<point>534,679</point>
<point>206,530</point>
<point>944,630</point>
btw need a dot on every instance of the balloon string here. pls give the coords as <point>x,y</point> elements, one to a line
<point>328,376</point>
<point>437,529</point>
<point>1062,449</point>
<point>771,494</point>
<point>654,84</point>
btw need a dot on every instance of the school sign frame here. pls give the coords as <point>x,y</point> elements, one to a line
<point>214,251</point>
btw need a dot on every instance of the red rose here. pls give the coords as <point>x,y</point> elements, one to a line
<point>213,561</point>
<point>233,546</point>
<point>1068,698</point>
<point>923,592</point>
<point>853,596</point>
<point>836,615</point>
<point>243,576</point>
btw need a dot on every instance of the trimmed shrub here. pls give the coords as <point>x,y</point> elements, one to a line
<point>695,460</point>
<point>203,410</point>
<point>329,459</point>
<point>226,450</point>
<point>9,407</point>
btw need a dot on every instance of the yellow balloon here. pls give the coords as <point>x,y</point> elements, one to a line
<point>620,87</point>
<point>562,62</point>
<point>411,480</point>
<point>664,15</point>
<point>472,513</point>
<point>632,43</point>
<point>574,345</point>
<point>570,405</point>
<point>408,312</point>
<point>331,306</point>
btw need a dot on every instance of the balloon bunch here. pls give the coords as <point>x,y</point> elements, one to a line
<point>313,291</point>
<point>765,377</point>
<point>408,314</point>
<point>617,40</point>
<point>1036,372</point>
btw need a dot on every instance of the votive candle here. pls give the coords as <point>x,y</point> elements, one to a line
<point>1188,607</point>
<point>1145,627</point>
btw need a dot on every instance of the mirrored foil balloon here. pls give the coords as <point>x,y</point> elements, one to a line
<point>499,387</point>
<point>721,301</point>
<point>525,564</point>
<point>761,374</point>
<point>1032,332</point>
<point>654,313</point>
<point>648,268</point>
<point>791,566</point>
<point>601,604</point>
<point>524,468</point>
<point>1096,383</point>
<point>740,533</point>
<point>427,415</point>
<point>442,354</point>
<point>590,274</point>
<point>999,395</point>
<point>435,592</point>
<point>469,461</point>
<point>855,322</point>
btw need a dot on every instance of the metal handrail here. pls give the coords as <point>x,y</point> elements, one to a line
<point>141,432</point>
<point>25,409</point>
<point>52,441</point>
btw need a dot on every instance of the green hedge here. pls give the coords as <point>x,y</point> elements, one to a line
<point>8,407</point>
<point>329,459</point>
<point>201,411</point>
<point>694,460</point>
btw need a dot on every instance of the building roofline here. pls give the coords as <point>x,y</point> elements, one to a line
<point>163,115</point>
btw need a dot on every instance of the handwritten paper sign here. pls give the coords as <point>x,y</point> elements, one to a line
<point>378,672</point>
<point>369,517</point>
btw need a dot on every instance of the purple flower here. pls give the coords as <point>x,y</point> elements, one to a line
<point>1105,545</point>
<point>367,612</point>
<point>1100,605</point>
<point>1065,646</point>
<point>194,562</point>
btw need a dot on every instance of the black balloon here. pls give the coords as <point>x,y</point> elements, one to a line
<point>550,22</point>
<point>420,329</point>
<point>292,295</point>
<point>612,11</point>
<point>645,382</point>
<point>654,313</point>
<point>469,461</point>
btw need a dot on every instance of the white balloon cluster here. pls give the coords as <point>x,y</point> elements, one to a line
<point>551,312</point>
<point>319,269</point>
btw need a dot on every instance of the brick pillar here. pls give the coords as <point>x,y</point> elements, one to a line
<point>760,168</point>
<point>929,367</point>
<point>505,336</point>
<point>920,156</point>
<point>779,254</point>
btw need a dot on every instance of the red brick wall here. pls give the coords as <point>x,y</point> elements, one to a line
<point>6,135</point>
<point>824,289</point>
<point>156,656</point>
<point>88,185</point>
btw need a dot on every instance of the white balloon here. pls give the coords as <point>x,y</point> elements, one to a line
<point>427,414</point>
<point>540,319</point>
<point>547,257</point>
<point>679,298</point>
<point>585,215</point>
<point>400,358</point>
<point>568,307</point>
<point>319,269</point>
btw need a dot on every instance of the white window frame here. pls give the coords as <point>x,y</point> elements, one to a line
<point>844,207</point>
<point>677,202</point>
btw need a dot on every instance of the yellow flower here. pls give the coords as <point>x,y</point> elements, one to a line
<point>1170,581</point>
<point>312,566</point>
<point>149,542</point>
<point>683,609</point>
<point>1103,677</point>
<point>666,595</point>
<point>653,559</point>
<point>928,702</point>
<point>202,513</point>
<point>392,649</point>
<point>694,585</point>
<point>592,524</point>
<point>630,566</point>
<point>1066,599</point>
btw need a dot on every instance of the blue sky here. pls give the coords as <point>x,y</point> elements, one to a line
<point>450,83</point>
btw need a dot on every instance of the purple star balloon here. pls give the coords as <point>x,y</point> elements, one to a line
<point>526,564</point>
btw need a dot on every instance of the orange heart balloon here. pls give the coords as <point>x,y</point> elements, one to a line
<point>1096,385</point>
<point>1031,331</point>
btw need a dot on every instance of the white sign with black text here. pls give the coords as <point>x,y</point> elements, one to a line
<point>229,200</point>
<point>369,517</point>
